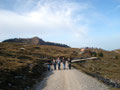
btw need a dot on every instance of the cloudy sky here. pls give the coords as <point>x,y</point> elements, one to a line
<point>77,23</point>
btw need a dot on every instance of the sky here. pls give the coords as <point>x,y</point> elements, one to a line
<point>77,23</point>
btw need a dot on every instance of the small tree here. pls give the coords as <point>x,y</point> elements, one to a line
<point>100,54</point>
<point>116,57</point>
<point>94,54</point>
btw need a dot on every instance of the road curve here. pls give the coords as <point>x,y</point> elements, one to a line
<point>69,80</point>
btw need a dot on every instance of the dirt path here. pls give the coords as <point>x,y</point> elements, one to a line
<point>69,80</point>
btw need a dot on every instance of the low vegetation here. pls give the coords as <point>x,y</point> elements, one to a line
<point>105,69</point>
<point>22,64</point>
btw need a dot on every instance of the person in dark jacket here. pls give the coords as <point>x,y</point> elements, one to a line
<point>64,63</point>
<point>69,63</point>
<point>58,62</point>
<point>54,64</point>
<point>49,65</point>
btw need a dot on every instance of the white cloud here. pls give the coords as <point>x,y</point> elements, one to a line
<point>48,19</point>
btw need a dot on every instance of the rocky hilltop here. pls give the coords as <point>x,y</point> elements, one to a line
<point>34,40</point>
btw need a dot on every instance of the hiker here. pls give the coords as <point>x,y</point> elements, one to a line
<point>49,65</point>
<point>54,64</point>
<point>69,63</point>
<point>64,63</point>
<point>58,62</point>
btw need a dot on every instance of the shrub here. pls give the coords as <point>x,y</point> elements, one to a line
<point>94,54</point>
<point>116,57</point>
<point>100,54</point>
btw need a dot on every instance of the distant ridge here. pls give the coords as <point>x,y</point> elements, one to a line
<point>34,40</point>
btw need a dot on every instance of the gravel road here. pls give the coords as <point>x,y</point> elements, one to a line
<point>69,80</point>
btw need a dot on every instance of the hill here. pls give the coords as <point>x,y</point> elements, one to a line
<point>34,40</point>
<point>22,64</point>
<point>117,51</point>
<point>105,69</point>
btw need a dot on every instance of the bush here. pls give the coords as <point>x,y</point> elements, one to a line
<point>116,57</point>
<point>94,54</point>
<point>100,54</point>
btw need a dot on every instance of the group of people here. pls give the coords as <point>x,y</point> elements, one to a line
<point>57,63</point>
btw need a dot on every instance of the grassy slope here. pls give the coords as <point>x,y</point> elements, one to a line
<point>15,69</point>
<point>15,62</point>
<point>107,67</point>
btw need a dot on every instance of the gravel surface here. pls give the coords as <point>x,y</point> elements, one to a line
<point>69,80</point>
